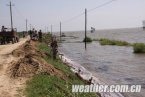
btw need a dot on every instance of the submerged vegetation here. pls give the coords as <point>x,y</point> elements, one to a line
<point>139,47</point>
<point>113,42</point>
<point>87,39</point>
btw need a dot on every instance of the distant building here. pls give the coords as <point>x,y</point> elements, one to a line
<point>143,22</point>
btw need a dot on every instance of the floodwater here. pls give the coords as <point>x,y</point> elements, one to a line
<point>111,64</point>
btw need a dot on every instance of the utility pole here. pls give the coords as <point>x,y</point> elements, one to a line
<point>47,29</point>
<point>30,26</point>
<point>60,31</point>
<point>51,29</point>
<point>26,26</point>
<point>11,14</point>
<point>85,28</point>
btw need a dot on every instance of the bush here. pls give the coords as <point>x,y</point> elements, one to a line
<point>113,42</point>
<point>139,48</point>
<point>63,35</point>
<point>87,39</point>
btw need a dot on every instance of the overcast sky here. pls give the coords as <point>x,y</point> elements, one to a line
<point>43,13</point>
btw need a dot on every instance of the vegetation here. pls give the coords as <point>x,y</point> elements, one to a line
<point>46,38</point>
<point>63,35</point>
<point>95,39</point>
<point>20,34</point>
<point>87,39</point>
<point>113,42</point>
<point>139,47</point>
<point>44,85</point>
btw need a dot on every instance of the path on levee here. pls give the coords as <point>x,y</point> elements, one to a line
<point>9,87</point>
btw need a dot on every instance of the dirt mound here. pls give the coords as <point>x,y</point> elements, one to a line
<point>27,48</point>
<point>18,53</point>
<point>25,67</point>
<point>31,63</point>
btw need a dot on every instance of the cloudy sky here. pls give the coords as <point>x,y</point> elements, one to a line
<point>43,13</point>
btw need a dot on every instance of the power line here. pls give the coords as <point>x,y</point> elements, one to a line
<point>90,10</point>
<point>24,18</point>
<point>75,17</point>
<point>104,4</point>
<point>20,13</point>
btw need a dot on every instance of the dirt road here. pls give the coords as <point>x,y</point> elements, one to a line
<point>9,87</point>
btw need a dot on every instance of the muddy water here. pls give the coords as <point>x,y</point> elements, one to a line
<point>112,64</point>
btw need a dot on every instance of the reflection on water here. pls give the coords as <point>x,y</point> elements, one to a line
<point>112,64</point>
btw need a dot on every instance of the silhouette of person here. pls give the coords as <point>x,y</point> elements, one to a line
<point>30,33</point>
<point>40,35</point>
<point>3,29</point>
<point>54,47</point>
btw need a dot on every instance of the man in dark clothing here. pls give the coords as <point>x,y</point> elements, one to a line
<point>54,47</point>
<point>30,32</point>
<point>40,35</point>
<point>3,29</point>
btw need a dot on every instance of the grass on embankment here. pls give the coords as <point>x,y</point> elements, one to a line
<point>44,85</point>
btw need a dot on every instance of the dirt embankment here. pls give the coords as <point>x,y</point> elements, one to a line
<point>8,86</point>
<point>31,62</point>
<point>19,64</point>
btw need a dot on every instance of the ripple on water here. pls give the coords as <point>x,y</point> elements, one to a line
<point>103,68</point>
<point>136,81</point>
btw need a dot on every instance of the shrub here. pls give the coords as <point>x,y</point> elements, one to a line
<point>139,48</point>
<point>87,39</point>
<point>63,35</point>
<point>113,42</point>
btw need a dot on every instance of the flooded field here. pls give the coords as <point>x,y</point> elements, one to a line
<point>111,64</point>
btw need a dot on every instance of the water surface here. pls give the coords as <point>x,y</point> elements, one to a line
<point>112,64</point>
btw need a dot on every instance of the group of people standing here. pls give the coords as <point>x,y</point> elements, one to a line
<point>35,35</point>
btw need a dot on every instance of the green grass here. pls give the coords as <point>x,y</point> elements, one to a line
<point>113,42</point>
<point>20,34</point>
<point>46,38</point>
<point>47,86</point>
<point>43,85</point>
<point>139,47</point>
<point>87,39</point>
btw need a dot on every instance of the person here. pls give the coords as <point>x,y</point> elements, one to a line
<point>36,35</point>
<point>3,29</point>
<point>30,33</point>
<point>24,34</point>
<point>40,35</point>
<point>33,33</point>
<point>54,47</point>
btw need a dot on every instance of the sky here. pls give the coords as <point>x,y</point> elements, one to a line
<point>41,14</point>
